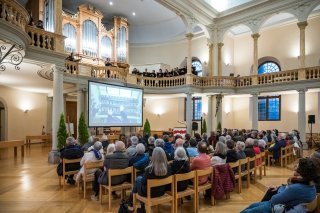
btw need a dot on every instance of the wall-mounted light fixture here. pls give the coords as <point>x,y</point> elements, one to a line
<point>26,111</point>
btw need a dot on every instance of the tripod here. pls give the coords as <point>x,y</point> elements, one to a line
<point>311,140</point>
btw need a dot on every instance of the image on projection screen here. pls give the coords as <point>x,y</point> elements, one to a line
<point>111,105</point>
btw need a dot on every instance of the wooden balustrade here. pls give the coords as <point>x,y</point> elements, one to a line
<point>109,72</point>
<point>71,67</point>
<point>12,12</point>
<point>313,72</point>
<point>45,40</point>
<point>161,82</point>
<point>278,77</point>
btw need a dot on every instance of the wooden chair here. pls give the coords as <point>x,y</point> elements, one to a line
<point>244,172</point>
<point>263,164</point>
<point>121,187</point>
<point>135,174</point>
<point>252,168</point>
<point>191,190</point>
<point>203,187</point>
<point>148,201</point>
<point>270,157</point>
<point>259,165</point>
<point>233,166</point>
<point>283,156</point>
<point>65,173</point>
<point>88,177</point>
<point>313,205</point>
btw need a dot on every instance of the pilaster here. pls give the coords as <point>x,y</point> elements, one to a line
<point>255,53</point>
<point>189,59</point>
<point>302,57</point>
<point>220,45</point>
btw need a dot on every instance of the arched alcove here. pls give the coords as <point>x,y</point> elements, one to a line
<point>3,120</point>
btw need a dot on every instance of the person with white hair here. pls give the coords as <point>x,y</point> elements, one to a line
<point>220,154</point>
<point>262,145</point>
<point>276,148</point>
<point>160,143</point>
<point>70,151</point>
<point>240,146</point>
<point>150,145</point>
<point>110,149</point>
<point>92,156</point>
<point>118,160</point>
<point>181,165</point>
<point>140,160</point>
<point>249,148</point>
<point>222,139</point>
<point>132,149</point>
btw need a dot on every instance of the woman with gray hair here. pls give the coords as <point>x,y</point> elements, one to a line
<point>139,160</point>
<point>157,169</point>
<point>160,143</point>
<point>240,146</point>
<point>219,156</point>
<point>181,165</point>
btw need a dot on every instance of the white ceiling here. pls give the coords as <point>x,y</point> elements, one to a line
<point>223,5</point>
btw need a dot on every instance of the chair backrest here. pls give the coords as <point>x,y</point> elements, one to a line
<point>234,164</point>
<point>116,172</point>
<point>245,162</point>
<point>312,206</point>
<point>185,176</point>
<point>204,172</point>
<point>151,183</point>
<point>66,161</point>
<point>92,165</point>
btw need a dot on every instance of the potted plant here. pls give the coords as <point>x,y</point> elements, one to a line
<point>82,130</point>
<point>62,133</point>
<point>219,128</point>
<point>204,126</point>
<point>146,128</point>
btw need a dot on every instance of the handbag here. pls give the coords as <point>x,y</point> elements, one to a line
<point>103,178</point>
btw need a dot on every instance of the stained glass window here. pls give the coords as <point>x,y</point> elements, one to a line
<point>269,108</point>
<point>197,108</point>
<point>197,64</point>
<point>268,67</point>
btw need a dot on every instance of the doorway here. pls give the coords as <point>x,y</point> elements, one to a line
<point>2,122</point>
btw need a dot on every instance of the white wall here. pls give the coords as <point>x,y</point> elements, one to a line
<point>20,123</point>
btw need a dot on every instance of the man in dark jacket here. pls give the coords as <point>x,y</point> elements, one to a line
<point>71,151</point>
<point>249,148</point>
<point>232,155</point>
<point>276,149</point>
<point>118,160</point>
<point>168,148</point>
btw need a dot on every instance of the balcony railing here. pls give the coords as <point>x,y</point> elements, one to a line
<point>45,40</point>
<point>13,13</point>
<point>214,81</point>
<point>313,72</point>
<point>109,72</point>
<point>160,82</point>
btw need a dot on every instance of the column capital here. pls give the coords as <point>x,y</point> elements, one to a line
<point>255,93</point>
<point>49,98</point>
<point>220,45</point>
<point>302,25</point>
<point>210,45</point>
<point>59,69</point>
<point>189,36</point>
<point>302,90</point>
<point>255,35</point>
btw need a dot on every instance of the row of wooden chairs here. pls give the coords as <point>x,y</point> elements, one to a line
<point>247,166</point>
<point>286,156</point>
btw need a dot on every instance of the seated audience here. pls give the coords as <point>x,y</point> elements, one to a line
<point>160,74</point>
<point>240,146</point>
<point>232,155</point>
<point>181,165</point>
<point>160,143</point>
<point>202,161</point>
<point>150,146</point>
<point>104,141</point>
<point>212,140</point>
<point>91,156</point>
<point>315,157</point>
<point>140,160</point>
<point>110,149</point>
<point>300,189</point>
<point>157,169</point>
<point>71,151</point>
<point>96,139</point>
<point>256,150</point>
<point>276,149</point>
<point>118,160</point>
<point>219,154</point>
<point>192,150</point>
<point>153,74</point>
<point>132,149</point>
<point>262,145</point>
<point>168,148</point>
<point>88,144</point>
<point>197,136</point>
<point>187,137</point>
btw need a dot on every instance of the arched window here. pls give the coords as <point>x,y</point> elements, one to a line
<point>268,67</point>
<point>70,32</point>
<point>49,15</point>
<point>90,38</point>
<point>196,64</point>
<point>106,47</point>
<point>121,45</point>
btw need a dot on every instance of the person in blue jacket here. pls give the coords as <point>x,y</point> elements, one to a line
<point>276,149</point>
<point>301,189</point>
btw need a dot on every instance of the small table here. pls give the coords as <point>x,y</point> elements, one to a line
<point>15,144</point>
<point>37,137</point>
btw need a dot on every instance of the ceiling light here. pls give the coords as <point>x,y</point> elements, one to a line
<point>110,3</point>
<point>133,13</point>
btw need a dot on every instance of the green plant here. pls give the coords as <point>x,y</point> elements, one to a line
<point>147,128</point>
<point>62,133</point>
<point>82,130</point>
<point>219,126</point>
<point>204,126</point>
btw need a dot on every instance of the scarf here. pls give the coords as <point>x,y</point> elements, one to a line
<point>97,154</point>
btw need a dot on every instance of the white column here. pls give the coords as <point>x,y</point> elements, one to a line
<point>302,117</point>
<point>56,111</point>
<point>210,60</point>
<point>210,117</point>
<point>189,59</point>
<point>220,45</point>
<point>189,113</point>
<point>80,106</point>
<point>65,104</point>
<point>255,53</point>
<point>215,59</point>
<point>254,115</point>
<point>302,27</point>
<point>49,116</point>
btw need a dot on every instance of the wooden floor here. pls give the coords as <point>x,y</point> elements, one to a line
<point>31,185</point>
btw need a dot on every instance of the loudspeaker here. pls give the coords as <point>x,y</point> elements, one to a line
<point>195,126</point>
<point>311,119</point>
